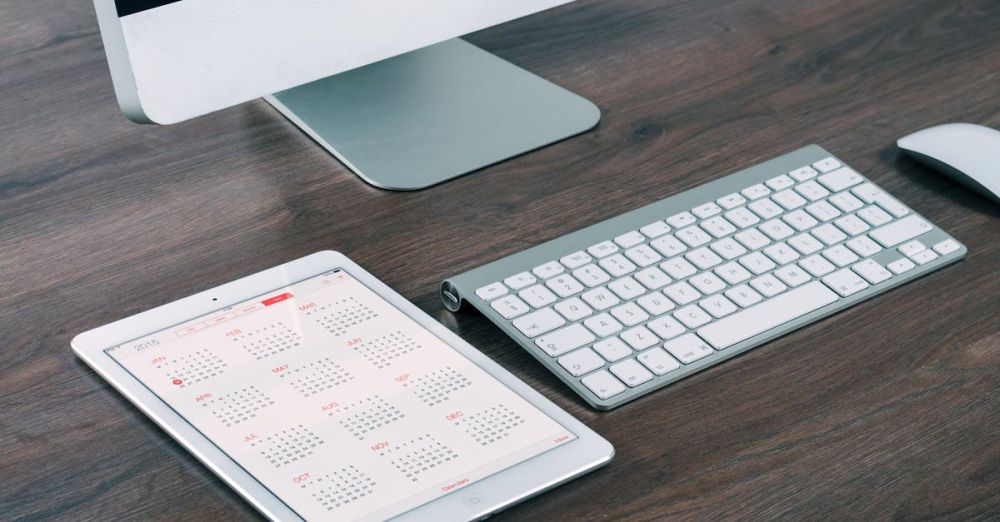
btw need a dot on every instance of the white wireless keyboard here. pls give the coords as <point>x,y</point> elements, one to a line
<point>636,302</point>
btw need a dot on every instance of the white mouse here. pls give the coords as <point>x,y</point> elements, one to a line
<point>968,153</point>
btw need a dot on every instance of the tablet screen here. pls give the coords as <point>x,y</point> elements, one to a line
<point>338,402</point>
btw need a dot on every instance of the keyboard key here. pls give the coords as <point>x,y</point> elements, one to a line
<point>752,239</point>
<point>769,314</point>
<point>603,249</point>
<point>901,265</point>
<point>755,191</point>
<point>768,285</point>
<point>678,268</point>
<point>733,273</point>
<point>639,338</point>
<point>693,236</point>
<point>756,263</point>
<point>537,296</point>
<point>852,225</point>
<point>874,216</point>
<point>630,239</point>
<point>630,314</point>
<point>766,208</point>
<point>519,281</point>
<point>652,278</point>
<point>681,220</point>
<point>803,174</point>
<point>781,253</point>
<point>643,256</point>
<point>840,255</point>
<point>776,229</point>
<point>731,201</point>
<point>845,282</point>
<point>805,243</point>
<point>655,229</point>
<point>780,182</point>
<point>924,257</point>
<point>591,275</point>
<point>666,327</point>
<point>692,316</point>
<point>863,246</point>
<point>603,325</point>
<point>812,191</point>
<point>657,361</point>
<point>703,258</point>
<point>613,349</point>
<point>655,303</point>
<point>728,248</point>
<point>823,211</point>
<point>899,231</point>
<point>547,270</point>
<point>707,283</point>
<point>491,291</point>
<point>846,202</point>
<point>706,210</point>
<point>840,179</point>
<point>601,298</point>
<point>617,265</point>
<point>910,248</point>
<point>603,384</point>
<point>743,295</point>
<point>717,306</point>
<point>792,275</point>
<point>817,266</point>
<point>946,247</point>
<point>510,306</point>
<point>717,226</point>
<point>669,246</point>
<point>581,361</point>
<point>573,309</point>
<point>564,285</point>
<point>789,199</point>
<point>682,293</point>
<point>631,372</point>
<point>626,288</point>
<point>800,220</point>
<point>892,205</point>
<point>576,259</point>
<point>873,272</point>
<point>829,234</point>
<point>688,348</point>
<point>826,165</point>
<point>742,217</point>
<point>538,323</point>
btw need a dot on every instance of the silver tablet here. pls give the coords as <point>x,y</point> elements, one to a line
<point>318,393</point>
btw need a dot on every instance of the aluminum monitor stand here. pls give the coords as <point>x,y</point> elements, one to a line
<point>430,115</point>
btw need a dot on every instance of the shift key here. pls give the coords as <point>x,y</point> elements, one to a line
<point>562,341</point>
<point>537,323</point>
<point>900,231</point>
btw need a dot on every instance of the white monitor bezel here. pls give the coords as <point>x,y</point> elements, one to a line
<point>477,500</point>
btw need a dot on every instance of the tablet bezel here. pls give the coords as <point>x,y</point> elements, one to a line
<point>477,500</point>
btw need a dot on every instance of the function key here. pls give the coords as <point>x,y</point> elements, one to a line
<point>548,270</point>
<point>603,384</point>
<point>730,201</point>
<point>519,281</point>
<point>492,291</point>
<point>707,210</point>
<point>630,239</point>
<point>655,229</point>
<point>803,174</point>
<point>755,191</point>
<point>826,165</point>
<point>576,259</point>
<point>603,249</point>
<point>681,220</point>
<point>780,182</point>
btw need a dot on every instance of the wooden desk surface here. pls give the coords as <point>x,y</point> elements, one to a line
<point>888,410</point>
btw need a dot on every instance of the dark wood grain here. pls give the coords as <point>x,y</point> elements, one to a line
<point>888,410</point>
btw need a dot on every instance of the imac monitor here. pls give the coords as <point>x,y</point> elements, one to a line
<point>385,85</point>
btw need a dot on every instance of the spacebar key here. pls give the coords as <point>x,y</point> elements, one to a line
<point>769,314</point>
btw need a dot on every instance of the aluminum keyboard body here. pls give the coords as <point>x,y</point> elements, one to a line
<point>639,301</point>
